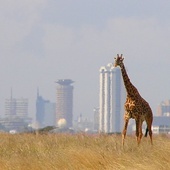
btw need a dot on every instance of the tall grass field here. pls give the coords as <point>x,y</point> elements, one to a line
<point>81,152</point>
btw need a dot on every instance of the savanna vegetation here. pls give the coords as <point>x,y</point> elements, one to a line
<point>81,152</point>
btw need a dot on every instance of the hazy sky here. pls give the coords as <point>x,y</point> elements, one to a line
<point>45,40</point>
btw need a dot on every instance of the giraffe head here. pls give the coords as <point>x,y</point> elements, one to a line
<point>118,60</point>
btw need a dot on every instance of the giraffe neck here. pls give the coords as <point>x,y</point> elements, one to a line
<point>130,88</point>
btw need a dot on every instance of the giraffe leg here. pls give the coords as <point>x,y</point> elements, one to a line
<point>137,130</point>
<point>124,131</point>
<point>140,131</point>
<point>150,134</point>
<point>149,126</point>
<point>146,132</point>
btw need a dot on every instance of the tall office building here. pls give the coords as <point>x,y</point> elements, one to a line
<point>49,114</point>
<point>16,114</point>
<point>22,107</point>
<point>45,112</point>
<point>16,107</point>
<point>164,108</point>
<point>111,100</point>
<point>64,101</point>
<point>10,107</point>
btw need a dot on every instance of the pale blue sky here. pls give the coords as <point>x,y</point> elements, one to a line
<point>45,40</point>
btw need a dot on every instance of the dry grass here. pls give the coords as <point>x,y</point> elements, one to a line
<point>74,152</point>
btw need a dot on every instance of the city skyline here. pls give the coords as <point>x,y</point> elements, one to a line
<point>43,41</point>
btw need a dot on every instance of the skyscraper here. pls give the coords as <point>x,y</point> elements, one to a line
<point>164,108</point>
<point>40,102</point>
<point>16,114</point>
<point>64,101</point>
<point>49,114</point>
<point>111,99</point>
<point>45,112</point>
<point>16,107</point>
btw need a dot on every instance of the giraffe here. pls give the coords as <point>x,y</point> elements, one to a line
<point>135,106</point>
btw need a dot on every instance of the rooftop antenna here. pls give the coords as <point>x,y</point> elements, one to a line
<point>37,92</point>
<point>11,93</point>
<point>11,105</point>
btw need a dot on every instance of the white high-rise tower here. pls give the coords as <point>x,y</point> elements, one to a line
<point>111,100</point>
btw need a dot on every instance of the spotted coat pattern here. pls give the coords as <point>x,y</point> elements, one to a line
<point>135,106</point>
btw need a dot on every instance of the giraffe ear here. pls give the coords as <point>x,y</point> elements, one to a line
<point>121,58</point>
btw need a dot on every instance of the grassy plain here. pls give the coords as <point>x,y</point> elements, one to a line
<point>81,152</point>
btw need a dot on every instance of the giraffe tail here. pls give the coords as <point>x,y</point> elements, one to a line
<point>146,132</point>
